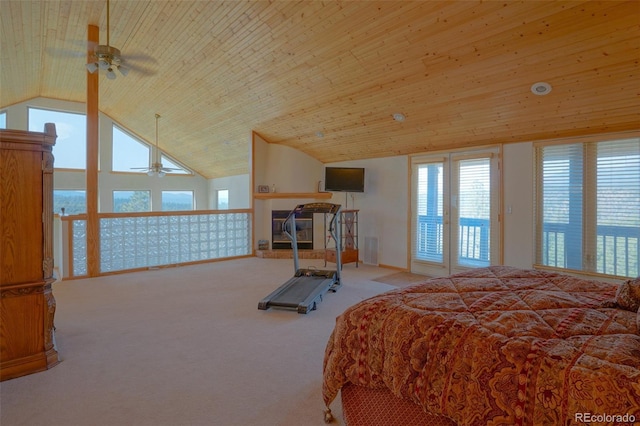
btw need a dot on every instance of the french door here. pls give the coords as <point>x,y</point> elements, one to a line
<point>455,212</point>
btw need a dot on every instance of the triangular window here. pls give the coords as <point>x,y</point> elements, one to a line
<point>170,164</point>
<point>129,153</point>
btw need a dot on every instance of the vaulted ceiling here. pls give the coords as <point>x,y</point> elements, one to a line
<point>327,77</point>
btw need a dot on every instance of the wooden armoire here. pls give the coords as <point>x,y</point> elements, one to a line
<point>27,305</point>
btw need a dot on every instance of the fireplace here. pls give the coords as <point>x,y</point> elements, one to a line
<point>304,225</point>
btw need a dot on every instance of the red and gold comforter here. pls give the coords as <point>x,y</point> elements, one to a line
<point>494,346</point>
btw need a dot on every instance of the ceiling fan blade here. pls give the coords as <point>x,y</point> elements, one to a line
<point>91,45</point>
<point>136,68</point>
<point>78,48</point>
<point>140,57</point>
<point>64,53</point>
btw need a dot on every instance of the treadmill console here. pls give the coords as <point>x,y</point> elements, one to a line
<point>317,208</point>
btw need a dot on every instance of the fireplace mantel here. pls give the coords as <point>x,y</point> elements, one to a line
<point>274,195</point>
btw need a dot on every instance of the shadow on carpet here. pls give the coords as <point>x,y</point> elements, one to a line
<point>401,279</point>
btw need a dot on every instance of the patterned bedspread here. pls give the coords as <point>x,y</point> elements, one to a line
<point>494,346</point>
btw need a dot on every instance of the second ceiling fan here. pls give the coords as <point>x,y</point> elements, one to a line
<point>156,168</point>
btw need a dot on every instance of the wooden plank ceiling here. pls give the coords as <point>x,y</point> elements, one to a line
<point>460,71</point>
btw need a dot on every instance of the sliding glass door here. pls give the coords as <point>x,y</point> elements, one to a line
<point>455,205</point>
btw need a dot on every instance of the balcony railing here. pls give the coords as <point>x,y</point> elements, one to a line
<point>618,247</point>
<point>130,241</point>
<point>429,237</point>
<point>473,240</point>
<point>617,250</point>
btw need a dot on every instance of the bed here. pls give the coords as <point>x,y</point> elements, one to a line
<point>490,346</point>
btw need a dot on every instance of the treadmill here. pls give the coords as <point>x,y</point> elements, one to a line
<point>308,285</point>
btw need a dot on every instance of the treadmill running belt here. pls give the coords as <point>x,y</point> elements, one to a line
<point>299,289</point>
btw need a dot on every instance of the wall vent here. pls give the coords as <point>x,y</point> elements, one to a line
<point>370,251</point>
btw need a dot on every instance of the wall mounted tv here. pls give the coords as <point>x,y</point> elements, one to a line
<point>344,179</point>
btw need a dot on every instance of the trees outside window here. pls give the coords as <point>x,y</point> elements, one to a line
<point>177,200</point>
<point>72,201</point>
<point>132,201</point>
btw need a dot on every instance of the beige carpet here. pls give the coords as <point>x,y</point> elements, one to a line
<point>401,279</point>
<point>185,346</point>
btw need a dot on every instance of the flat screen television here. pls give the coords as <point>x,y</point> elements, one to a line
<point>344,179</point>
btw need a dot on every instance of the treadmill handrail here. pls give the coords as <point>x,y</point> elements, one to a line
<point>334,229</point>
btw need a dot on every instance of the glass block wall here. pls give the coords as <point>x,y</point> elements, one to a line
<point>146,241</point>
<point>79,232</point>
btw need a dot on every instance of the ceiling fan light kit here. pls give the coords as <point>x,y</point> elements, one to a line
<point>156,170</point>
<point>92,67</point>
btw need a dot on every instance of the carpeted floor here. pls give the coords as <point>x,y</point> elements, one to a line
<point>185,346</point>
<point>401,279</point>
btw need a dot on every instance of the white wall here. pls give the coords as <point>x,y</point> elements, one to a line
<point>290,171</point>
<point>239,194</point>
<point>518,184</point>
<point>383,207</point>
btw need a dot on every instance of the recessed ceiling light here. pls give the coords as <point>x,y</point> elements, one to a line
<point>398,116</point>
<point>541,88</point>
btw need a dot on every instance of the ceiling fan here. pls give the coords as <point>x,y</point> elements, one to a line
<point>108,58</point>
<point>156,168</point>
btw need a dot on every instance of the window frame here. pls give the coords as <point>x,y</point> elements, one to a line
<point>218,192</point>
<point>585,259</point>
<point>82,147</point>
<point>451,220</point>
